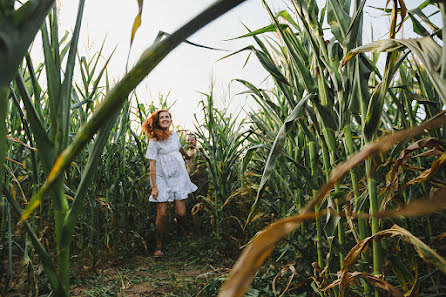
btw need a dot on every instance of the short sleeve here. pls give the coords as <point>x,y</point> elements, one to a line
<point>152,151</point>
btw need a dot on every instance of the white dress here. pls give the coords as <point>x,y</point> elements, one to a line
<point>172,179</point>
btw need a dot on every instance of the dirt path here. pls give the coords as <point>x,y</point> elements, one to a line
<point>186,269</point>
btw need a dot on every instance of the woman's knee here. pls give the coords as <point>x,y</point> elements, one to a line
<point>180,208</point>
<point>161,211</point>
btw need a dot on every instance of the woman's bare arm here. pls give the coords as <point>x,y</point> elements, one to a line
<point>153,179</point>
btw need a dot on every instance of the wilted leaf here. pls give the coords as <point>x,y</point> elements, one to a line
<point>137,21</point>
<point>420,207</point>
<point>429,173</point>
<point>293,273</point>
<point>375,280</point>
<point>392,181</point>
<point>424,251</point>
<point>257,251</point>
<point>13,139</point>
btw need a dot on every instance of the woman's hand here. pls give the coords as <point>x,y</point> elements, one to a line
<point>155,193</point>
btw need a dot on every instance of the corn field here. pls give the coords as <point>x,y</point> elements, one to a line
<point>334,184</point>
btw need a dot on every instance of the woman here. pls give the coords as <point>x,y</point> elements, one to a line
<point>168,175</point>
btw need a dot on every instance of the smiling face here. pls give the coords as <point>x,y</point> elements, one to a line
<point>164,120</point>
<point>191,141</point>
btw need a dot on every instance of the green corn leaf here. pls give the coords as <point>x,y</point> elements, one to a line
<point>286,16</point>
<point>276,150</point>
<point>338,19</point>
<point>326,116</point>
<point>427,50</point>
<point>418,27</point>
<point>16,38</point>
<point>46,146</point>
<point>269,66</point>
<point>66,88</point>
<point>266,29</point>
<point>354,31</point>
<point>302,68</point>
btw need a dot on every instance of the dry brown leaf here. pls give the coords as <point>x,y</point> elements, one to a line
<point>293,273</point>
<point>16,140</point>
<point>375,280</point>
<point>424,251</point>
<point>433,152</point>
<point>392,176</point>
<point>419,207</point>
<point>429,173</point>
<point>257,251</point>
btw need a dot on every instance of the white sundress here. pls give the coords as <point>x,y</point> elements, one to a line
<point>172,179</point>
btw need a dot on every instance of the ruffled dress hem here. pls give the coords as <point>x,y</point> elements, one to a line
<point>174,194</point>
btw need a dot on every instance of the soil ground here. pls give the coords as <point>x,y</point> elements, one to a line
<point>193,266</point>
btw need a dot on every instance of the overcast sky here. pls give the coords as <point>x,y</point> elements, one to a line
<point>187,70</point>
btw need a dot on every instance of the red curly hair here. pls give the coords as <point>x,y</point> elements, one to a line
<point>152,128</point>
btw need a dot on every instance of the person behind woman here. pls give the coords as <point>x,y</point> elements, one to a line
<point>196,165</point>
<point>168,176</point>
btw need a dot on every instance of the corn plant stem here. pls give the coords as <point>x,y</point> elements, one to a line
<point>62,119</point>
<point>117,96</point>
<point>350,151</point>
<point>9,273</point>
<point>348,139</point>
<point>4,94</point>
<point>329,141</point>
<point>60,211</point>
<point>299,205</point>
<point>329,159</point>
<point>313,165</point>
<point>373,199</point>
<point>325,157</point>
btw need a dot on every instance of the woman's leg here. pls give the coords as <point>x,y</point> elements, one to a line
<point>180,212</point>
<point>161,214</point>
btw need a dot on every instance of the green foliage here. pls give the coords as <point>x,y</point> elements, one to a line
<point>222,137</point>
<point>329,99</point>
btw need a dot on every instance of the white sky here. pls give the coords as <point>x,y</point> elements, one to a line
<point>188,69</point>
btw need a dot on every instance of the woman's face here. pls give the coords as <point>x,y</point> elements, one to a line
<point>164,119</point>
